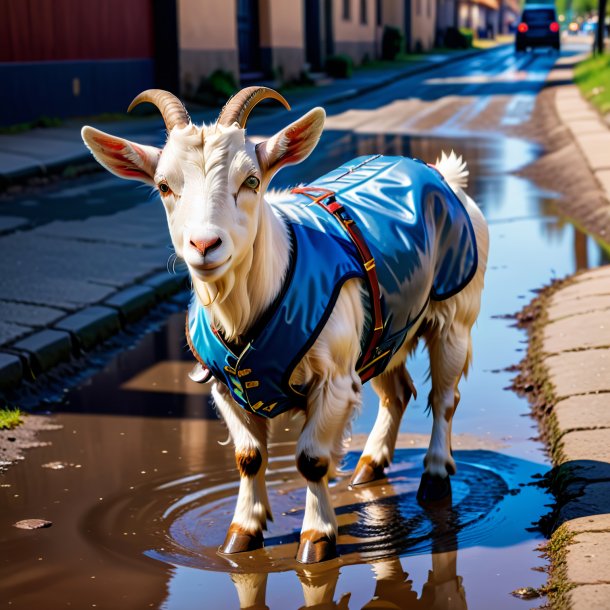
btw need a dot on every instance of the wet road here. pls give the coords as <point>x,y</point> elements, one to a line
<point>139,503</point>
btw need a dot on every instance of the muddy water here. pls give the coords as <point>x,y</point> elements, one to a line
<point>140,491</point>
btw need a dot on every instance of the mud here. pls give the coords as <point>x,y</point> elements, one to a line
<point>14,443</point>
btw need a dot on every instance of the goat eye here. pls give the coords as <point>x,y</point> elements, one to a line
<point>252,182</point>
<point>164,188</point>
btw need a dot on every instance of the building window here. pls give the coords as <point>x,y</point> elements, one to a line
<point>363,12</point>
<point>418,8</point>
<point>347,9</point>
<point>378,12</point>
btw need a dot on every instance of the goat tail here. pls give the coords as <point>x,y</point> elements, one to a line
<point>454,169</point>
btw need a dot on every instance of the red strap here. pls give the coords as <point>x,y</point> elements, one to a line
<point>368,262</point>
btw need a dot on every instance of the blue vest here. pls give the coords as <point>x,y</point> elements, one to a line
<point>424,248</point>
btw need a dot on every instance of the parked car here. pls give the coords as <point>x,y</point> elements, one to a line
<point>538,28</point>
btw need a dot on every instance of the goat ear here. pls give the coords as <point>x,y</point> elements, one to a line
<point>291,145</point>
<point>122,157</point>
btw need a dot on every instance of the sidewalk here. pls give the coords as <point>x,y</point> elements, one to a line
<point>66,286</point>
<point>590,131</point>
<point>575,356</point>
<point>569,354</point>
<point>41,151</point>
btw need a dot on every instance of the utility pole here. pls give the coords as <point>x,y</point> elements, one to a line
<point>601,27</point>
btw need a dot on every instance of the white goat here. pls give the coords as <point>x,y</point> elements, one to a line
<point>234,238</point>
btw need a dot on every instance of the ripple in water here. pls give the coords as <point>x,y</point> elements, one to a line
<point>192,514</point>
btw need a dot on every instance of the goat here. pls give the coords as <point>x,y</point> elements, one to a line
<point>240,245</point>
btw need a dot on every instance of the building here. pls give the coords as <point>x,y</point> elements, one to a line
<point>67,58</point>
<point>64,58</point>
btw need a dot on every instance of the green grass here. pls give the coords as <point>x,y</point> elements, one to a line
<point>593,78</point>
<point>10,418</point>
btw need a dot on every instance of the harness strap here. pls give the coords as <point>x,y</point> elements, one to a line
<point>326,199</point>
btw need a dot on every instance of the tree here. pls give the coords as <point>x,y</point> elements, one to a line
<point>601,27</point>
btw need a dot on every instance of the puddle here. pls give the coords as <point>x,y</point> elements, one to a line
<point>139,491</point>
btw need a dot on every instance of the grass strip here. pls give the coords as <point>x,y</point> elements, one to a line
<point>593,79</point>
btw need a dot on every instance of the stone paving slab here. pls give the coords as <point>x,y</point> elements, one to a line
<point>588,452</point>
<point>587,560</point>
<point>139,226</point>
<point>45,349</point>
<point>586,411</point>
<point>586,277</point>
<point>595,149</point>
<point>165,284</point>
<point>584,290</point>
<point>590,597</point>
<point>69,275</point>
<point>594,143</point>
<point>91,325</point>
<point>579,372</point>
<point>562,308</point>
<point>583,331</point>
<point>594,523</point>
<point>588,125</point>
<point>10,331</point>
<point>133,302</point>
<point>34,315</point>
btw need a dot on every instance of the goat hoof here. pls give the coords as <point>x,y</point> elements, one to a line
<point>434,491</point>
<point>316,547</point>
<point>239,540</point>
<point>366,471</point>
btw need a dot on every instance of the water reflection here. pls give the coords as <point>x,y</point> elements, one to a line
<point>443,589</point>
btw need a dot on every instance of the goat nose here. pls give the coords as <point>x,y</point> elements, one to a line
<point>206,245</point>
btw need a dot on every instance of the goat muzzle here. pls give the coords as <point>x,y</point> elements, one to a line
<point>172,109</point>
<point>239,107</point>
<point>204,246</point>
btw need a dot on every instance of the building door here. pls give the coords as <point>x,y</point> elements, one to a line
<point>313,39</point>
<point>248,39</point>
<point>329,39</point>
<point>165,32</point>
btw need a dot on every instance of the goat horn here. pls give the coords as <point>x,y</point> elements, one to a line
<point>172,110</point>
<point>239,107</point>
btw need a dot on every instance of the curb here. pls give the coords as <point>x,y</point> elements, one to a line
<point>91,326</point>
<point>45,349</point>
<point>565,377</point>
<point>84,158</point>
<point>84,330</point>
<point>11,370</point>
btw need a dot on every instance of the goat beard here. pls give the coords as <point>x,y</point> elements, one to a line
<point>206,293</point>
<point>229,315</point>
